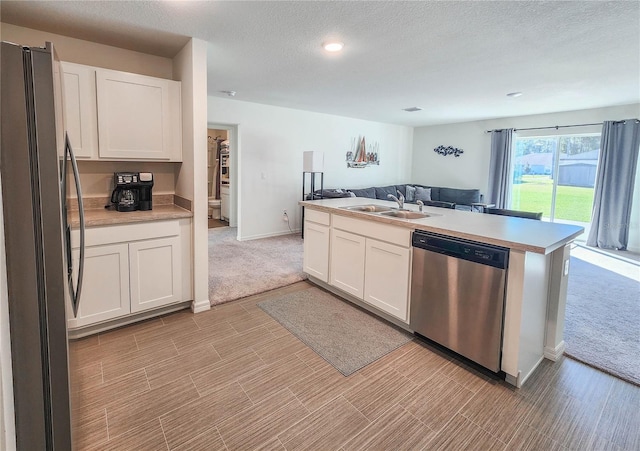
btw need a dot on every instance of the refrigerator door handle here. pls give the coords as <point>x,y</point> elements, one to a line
<point>75,291</point>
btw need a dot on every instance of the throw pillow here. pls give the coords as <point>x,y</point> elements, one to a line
<point>411,193</point>
<point>423,194</point>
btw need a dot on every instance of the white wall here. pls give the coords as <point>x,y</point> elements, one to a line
<point>271,143</point>
<point>90,53</point>
<point>190,67</point>
<point>471,169</point>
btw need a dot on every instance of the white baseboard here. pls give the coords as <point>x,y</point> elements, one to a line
<point>513,380</point>
<point>554,354</point>
<point>200,306</point>
<point>125,320</point>
<point>268,235</point>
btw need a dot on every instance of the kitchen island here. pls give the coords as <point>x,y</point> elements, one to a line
<point>366,258</point>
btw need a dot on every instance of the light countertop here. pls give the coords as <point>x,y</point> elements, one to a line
<point>515,233</point>
<point>101,216</point>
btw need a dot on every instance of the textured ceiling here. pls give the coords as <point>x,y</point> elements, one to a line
<point>455,59</point>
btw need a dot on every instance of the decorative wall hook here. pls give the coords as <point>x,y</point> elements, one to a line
<point>448,150</point>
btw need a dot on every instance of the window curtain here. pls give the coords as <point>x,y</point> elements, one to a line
<point>500,168</point>
<point>611,214</point>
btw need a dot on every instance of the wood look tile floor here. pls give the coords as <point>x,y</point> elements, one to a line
<point>234,379</point>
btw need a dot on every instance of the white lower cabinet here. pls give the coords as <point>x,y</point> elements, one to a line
<point>123,278</point>
<point>156,277</point>
<point>105,286</point>
<point>366,259</point>
<point>347,262</point>
<point>316,250</point>
<point>386,281</point>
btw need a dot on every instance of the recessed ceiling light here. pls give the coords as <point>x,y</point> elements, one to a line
<point>514,94</point>
<point>412,109</point>
<point>229,93</point>
<point>333,46</point>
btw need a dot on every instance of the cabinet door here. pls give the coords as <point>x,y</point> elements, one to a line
<point>347,262</point>
<point>105,286</point>
<point>316,250</point>
<point>80,114</point>
<point>156,275</point>
<point>386,283</point>
<point>224,202</point>
<point>138,116</point>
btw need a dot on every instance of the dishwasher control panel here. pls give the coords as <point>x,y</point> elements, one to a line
<point>468,250</point>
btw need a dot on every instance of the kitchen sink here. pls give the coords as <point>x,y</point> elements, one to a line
<point>368,208</point>
<point>403,214</point>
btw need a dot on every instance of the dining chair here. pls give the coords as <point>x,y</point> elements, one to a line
<point>516,213</point>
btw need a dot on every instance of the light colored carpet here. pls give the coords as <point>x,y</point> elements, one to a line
<point>602,326</point>
<point>345,336</point>
<point>241,268</point>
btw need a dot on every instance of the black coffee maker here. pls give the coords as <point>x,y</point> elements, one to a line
<point>133,191</point>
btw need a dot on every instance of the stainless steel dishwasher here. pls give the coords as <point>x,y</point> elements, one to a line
<point>457,295</point>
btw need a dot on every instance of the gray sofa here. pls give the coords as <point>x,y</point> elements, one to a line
<point>462,198</point>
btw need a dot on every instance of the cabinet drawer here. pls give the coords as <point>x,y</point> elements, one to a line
<point>96,236</point>
<point>395,235</point>
<point>319,217</point>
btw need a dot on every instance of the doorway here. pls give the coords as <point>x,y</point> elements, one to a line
<point>217,177</point>
<point>222,175</point>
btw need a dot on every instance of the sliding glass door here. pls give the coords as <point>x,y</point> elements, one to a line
<point>556,175</point>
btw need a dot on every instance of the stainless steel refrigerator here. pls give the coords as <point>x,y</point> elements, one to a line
<point>34,156</point>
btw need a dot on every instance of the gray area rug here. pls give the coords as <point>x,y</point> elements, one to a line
<point>602,325</point>
<point>242,268</point>
<point>345,336</point>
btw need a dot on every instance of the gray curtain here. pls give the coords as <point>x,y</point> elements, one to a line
<point>500,168</point>
<point>611,214</point>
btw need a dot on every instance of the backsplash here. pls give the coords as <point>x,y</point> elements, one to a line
<point>93,202</point>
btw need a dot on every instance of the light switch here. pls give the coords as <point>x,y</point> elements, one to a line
<point>263,175</point>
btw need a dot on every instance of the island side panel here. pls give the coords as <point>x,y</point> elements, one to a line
<point>513,315</point>
<point>534,313</point>
<point>525,314</point>
<point>554,339</point>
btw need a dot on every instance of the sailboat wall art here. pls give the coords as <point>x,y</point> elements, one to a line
<point>362,154</point>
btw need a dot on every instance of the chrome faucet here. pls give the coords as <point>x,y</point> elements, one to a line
<point>399,199</point>
<point>420,204</point>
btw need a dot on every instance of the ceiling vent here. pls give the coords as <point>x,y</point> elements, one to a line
<point>412,109</point>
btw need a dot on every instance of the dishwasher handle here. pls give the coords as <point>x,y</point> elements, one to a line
<point>485,254</point>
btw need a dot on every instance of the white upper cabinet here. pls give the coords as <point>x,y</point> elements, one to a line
<point>138,117</point>
<point>80,114</point>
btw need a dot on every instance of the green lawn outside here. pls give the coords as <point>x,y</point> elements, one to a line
<point>534,194</point>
